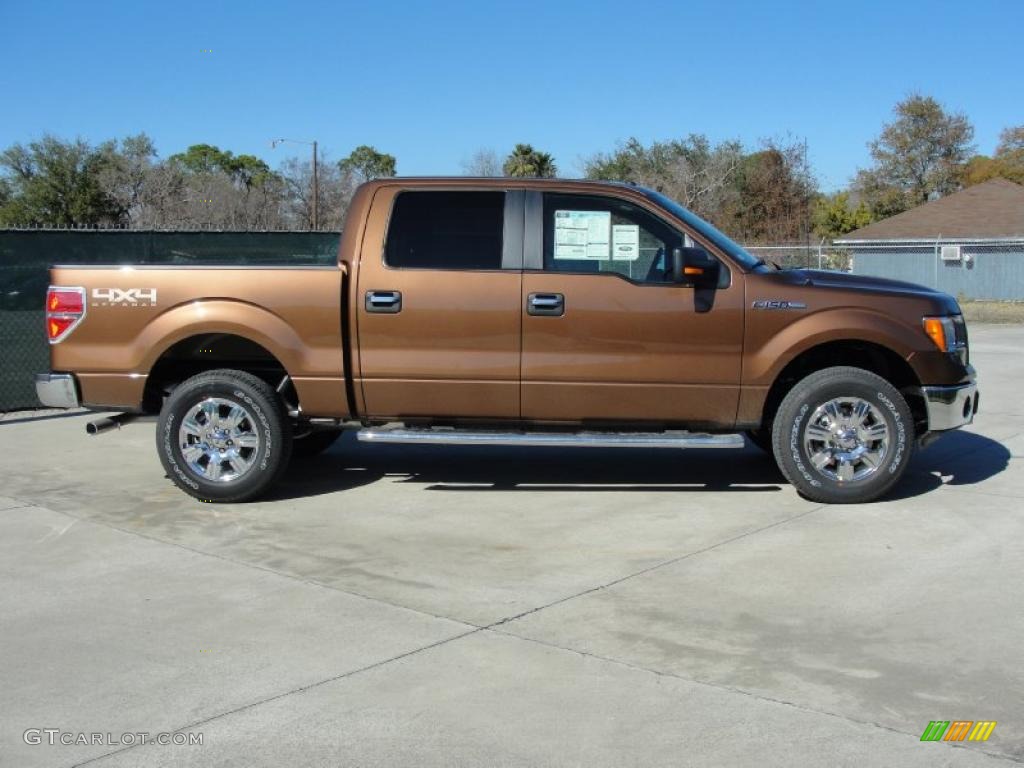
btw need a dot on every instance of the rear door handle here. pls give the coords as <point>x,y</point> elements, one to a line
<point>384,302</point>
<point>545,304</point>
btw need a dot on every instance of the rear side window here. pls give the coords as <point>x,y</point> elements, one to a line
<point>446,230</point>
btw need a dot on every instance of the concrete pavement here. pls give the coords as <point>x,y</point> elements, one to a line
<point>395,606</point>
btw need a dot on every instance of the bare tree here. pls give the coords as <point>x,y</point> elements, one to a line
<point>1011,140</point>
<point>124,178</point>
<point>334,190</point>
<point>698,174</point>
<point>483,162</point>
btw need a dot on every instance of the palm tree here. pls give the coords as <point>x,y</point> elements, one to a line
<point>525,161</point>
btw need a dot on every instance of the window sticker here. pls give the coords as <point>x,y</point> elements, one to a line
<point>582,234</point>
<point>626,242</point>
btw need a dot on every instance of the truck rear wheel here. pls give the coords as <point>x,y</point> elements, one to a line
<point>223,436</point>
<point>843,435</point>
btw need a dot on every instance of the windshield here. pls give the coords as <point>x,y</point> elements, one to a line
<point>703,228</point>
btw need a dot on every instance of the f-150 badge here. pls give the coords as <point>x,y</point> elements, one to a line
<point>130,297</point>
<point>777,304</point>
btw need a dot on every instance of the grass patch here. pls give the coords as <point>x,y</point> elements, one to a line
<point>993,311</point>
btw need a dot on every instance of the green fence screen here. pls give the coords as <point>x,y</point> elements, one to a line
<point>26,256</point>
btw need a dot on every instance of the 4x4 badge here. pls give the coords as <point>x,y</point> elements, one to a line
<point>134,297</point>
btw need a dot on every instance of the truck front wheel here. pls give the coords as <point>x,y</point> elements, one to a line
<point>843,435</point>
<point>223,436</point>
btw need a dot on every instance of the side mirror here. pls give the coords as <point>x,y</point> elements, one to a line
<point>694,266</point>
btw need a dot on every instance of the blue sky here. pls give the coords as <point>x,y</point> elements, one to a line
<point>430,82</point>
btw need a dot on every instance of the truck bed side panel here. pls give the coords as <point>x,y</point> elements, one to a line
<point>292,312</point>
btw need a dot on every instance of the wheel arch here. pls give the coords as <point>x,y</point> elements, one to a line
<point>221,333</point>
<point>855,352</point>
<point>211,350</point>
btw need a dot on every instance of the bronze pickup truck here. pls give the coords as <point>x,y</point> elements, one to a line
<point>514,312</point>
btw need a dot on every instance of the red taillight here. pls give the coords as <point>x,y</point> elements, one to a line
<point>58,326</point>
<point>65,308</point>
<point>65,300</point>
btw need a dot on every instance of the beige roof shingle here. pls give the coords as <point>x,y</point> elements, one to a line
<point>992,209</point>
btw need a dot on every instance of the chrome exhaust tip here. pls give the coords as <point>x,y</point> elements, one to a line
<point>110,422</point>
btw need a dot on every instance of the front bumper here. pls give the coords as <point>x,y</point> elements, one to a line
<point>57,390</point>
<point>950,407</point>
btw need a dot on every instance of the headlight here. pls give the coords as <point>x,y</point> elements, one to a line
<point>949,334</point>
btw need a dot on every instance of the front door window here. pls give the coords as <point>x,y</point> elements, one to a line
<point>590,234</point>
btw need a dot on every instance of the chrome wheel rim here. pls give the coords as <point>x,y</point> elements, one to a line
<point>846,439</point>
<point>218,440</point>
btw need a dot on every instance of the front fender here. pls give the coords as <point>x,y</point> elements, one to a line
<point>769,350</point>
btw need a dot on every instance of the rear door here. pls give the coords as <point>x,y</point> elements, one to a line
<point>607,336</point>
<point>439,288</point>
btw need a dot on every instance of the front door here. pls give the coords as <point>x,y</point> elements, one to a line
<point>439,285</point>
<point>607,336</point>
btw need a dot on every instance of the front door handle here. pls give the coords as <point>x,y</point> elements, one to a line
<point>385,302</point>
<point>545,304</point>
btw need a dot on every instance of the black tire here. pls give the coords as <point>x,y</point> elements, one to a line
<point>314,443</point>
<point>264,428</point>
<point>846,385</point>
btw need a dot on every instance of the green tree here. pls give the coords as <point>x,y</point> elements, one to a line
<point>203,158</point>
<point>58,184</point>
<point>366,163</point>
<point>219,188</point>
<point>920,155</point>
<point>651,166</point>
<point>834,215</point>
<point>1008,162</point>
<point>248,171</point>
<point>1010,154</point>
<point>526,162</point>
<point>774,192</point>
<point>981,168</point>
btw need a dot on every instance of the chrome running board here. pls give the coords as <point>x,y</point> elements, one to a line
<point>440,436</point>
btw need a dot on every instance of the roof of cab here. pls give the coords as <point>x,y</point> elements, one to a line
<point>505,182</point>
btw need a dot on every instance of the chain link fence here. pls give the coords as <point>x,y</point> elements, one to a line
<point>26,256</point>
<point>989,269</point>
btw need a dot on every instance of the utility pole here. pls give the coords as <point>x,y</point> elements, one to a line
<point>316,193</point>
<point>316,185</point>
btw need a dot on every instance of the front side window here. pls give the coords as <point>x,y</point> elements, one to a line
<point>446,230</point>
<point>589,233</point>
